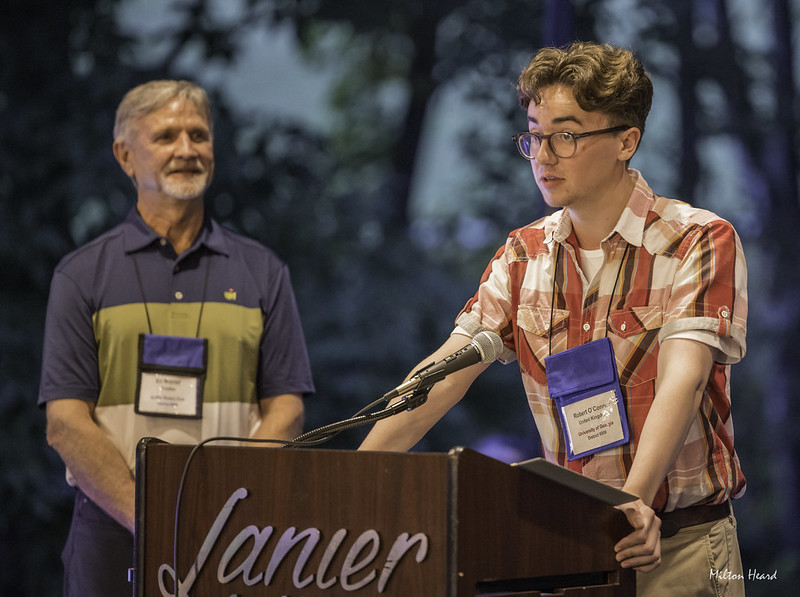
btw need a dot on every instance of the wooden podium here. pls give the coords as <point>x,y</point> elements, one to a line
<point>300,523</point>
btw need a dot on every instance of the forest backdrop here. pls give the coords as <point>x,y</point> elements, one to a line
<point>375,157</point>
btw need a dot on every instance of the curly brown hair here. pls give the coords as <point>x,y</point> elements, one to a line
<point>602,77</point>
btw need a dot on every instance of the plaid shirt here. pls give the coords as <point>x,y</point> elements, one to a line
<point>668,269</point>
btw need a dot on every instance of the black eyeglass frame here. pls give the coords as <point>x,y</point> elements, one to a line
<point>574,136</point>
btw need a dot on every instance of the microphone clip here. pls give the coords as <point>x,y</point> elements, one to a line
<point>417,398</point>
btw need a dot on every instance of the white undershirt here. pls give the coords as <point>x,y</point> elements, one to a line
<point>591,262</point>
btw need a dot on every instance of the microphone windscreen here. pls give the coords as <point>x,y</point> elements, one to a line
<point>489,345</point>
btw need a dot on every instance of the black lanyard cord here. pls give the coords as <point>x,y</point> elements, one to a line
<point>203,301</point>
<point>616,282</point>
<point>141,291</point>
<point>553,299</point>
<point>144,299</point>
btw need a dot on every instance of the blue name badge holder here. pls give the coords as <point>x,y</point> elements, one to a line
<point>585,385</point>
<point>171,375</point>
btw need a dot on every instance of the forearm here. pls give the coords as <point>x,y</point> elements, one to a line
<point>683,371</point>
<point>281,418</point>
<point>655,454</point>
<point>99,469</point>
<point>401,432</point>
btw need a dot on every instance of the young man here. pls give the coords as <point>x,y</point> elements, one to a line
<point>166,326</point>
<point>617,279</point>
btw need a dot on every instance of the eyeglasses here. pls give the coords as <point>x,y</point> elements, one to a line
<point>563,144</point>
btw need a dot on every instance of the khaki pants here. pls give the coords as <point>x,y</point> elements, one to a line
<point>701,560</point>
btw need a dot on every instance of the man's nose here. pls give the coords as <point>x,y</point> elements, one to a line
<point>185,145</point>
<point>544,154</point>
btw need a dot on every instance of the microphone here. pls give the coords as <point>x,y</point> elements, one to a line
<point>485,347</point>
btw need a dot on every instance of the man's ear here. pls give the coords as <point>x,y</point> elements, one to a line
<point>630,142</point>
<point>123,155</point>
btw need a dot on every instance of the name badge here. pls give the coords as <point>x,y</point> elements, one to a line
<point>585,385</point>
<point>171,373</point>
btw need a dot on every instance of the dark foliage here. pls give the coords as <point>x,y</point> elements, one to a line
<point>378,280</point>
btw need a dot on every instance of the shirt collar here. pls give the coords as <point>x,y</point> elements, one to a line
<point>633,221</point>
<point>630,226</point>
<point>138,235</point>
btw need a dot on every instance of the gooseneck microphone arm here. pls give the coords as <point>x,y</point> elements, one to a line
<point>327,432</point>
<point>485,347</point>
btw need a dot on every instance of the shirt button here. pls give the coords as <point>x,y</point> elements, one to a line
<point>163,242</point>
<point>586,327</point>
<point>623,327</point>
<point>179,295</point>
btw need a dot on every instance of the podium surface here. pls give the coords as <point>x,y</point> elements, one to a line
<point>299,523</point>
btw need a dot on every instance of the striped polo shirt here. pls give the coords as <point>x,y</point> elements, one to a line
<point>668,269</point>
<point>226,288</point>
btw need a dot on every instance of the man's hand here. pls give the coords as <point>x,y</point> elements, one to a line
<point>94,461</point>
<point>641,550</point>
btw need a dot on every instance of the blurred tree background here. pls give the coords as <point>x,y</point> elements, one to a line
<point>369,143</point>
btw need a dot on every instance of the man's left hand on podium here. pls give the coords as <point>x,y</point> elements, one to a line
<point>641,549</point>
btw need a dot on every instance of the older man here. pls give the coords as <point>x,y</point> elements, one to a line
<point>166,326</point>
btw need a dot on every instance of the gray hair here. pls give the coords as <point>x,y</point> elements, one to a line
<point>149,97</point>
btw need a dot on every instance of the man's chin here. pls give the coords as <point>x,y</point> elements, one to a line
<point>185,191</point>
<point>184,197</point>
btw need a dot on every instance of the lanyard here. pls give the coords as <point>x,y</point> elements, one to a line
<point>553,297</point>
<point>144,300</point>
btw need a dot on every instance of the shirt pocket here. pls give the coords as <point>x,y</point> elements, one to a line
<point>634,334</point>
<point>538,337</point>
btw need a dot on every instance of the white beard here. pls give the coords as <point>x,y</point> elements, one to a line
<point>186,189</point>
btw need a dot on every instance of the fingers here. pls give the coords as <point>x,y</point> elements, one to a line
<point>641,549</point>
<point>643,557</point>
<point>642,564</point>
